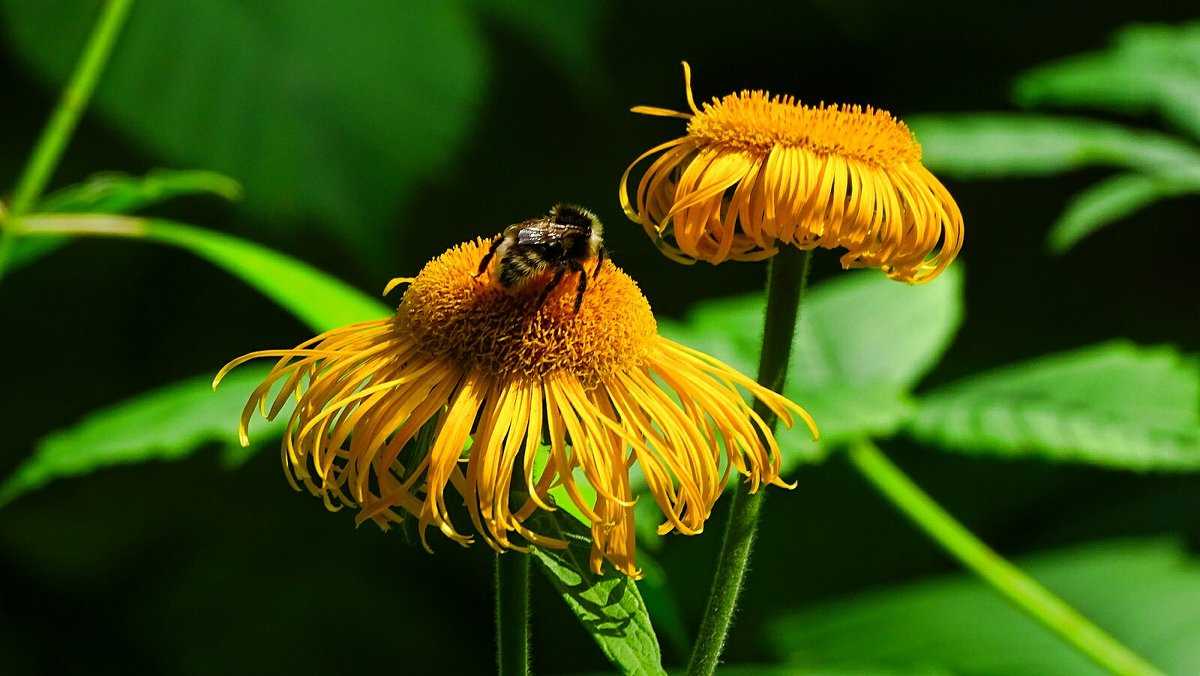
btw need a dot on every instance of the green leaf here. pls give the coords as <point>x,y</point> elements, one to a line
<point>1146,593</point>
<point>1107,202</point>
<point>315,298</point>
<point>862,328</point>
<point>325,114</point>
<point>27,250</point>
<point>560,496</point>
<point>987,145</point>
<point>792,670</point>
<point>1148,68</point>
<point>863,342</point>
<point>608,606</point>
<point>169,423</point>
<point>1114,405</point>
<point>319,300</point>
<point>115,193</point>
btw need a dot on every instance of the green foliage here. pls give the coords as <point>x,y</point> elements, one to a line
<point>315,298</point>
<point>319,300</point>
<point>1148,69</point>
<point>169,423</point>
<point>1146,593</point>
<point>1113,405</point>
<point>172,422</point>
<point>1107,202</point>
<point>862,344</point>
<point>288,99</point>
<point>863,328</point>
<point>275,97</point>
<point>1116,405</point>
<point>992,145</point>
<point>114,193</point>
<point>609,606</point>
<point>29,249</point>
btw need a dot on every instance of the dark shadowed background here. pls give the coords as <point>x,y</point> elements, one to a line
<point>370,137</point>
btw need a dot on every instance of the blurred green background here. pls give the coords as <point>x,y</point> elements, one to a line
<point>371,136</point>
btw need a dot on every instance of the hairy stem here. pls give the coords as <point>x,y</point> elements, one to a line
<point>786,282</point>
<point>512,613</point>
<point>1004,577</point>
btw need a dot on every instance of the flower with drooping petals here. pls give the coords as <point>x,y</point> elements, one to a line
<point>756,171</point>
<point>475,391</point>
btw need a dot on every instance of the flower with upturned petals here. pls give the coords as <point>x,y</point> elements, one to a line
<point>473,393</point>
<point>756,171</point>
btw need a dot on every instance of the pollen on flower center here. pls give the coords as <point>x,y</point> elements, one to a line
<point>471,319</point>
<point>754,121</point>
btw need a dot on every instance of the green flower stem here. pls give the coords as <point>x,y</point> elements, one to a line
<point>512,613</point>
<point>786,282</point>
<point>1006,578</point>
<point>54,138</point>
<point>70,107</point>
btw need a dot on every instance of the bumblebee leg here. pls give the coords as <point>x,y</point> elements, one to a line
<point>576,267</point>
<point>487,258</point>
<point>558,275</point>
<point>600,256</point>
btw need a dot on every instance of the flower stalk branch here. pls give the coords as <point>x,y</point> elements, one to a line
<point>71,105</point>
<point>53,141</point>
<point>512,613</point>
<point>1003,576</point>
<point>787,279</point>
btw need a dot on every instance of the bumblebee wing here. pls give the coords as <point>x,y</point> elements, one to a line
<point>545,233</point>
<point>549,238</point>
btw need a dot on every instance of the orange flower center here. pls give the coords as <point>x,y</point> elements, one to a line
<point>756,122</point>
<point>478,323</point>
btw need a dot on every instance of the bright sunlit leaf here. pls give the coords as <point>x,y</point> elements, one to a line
<point>1148,68</point>
<point>1146,593</point>
<point>983,145</point>
<point>609,607</point>
<point>1114,405</point>
<point>169,423</point>
<point>862,328</point>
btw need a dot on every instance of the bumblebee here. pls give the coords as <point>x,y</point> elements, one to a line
<point>562,240</point>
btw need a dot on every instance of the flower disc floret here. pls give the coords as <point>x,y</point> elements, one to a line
<point>755,172</point>
<point>754,121</point>
<point>468,318</point>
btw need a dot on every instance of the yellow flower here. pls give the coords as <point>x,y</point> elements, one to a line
<point>483,375</point>
<point>755,170</point>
